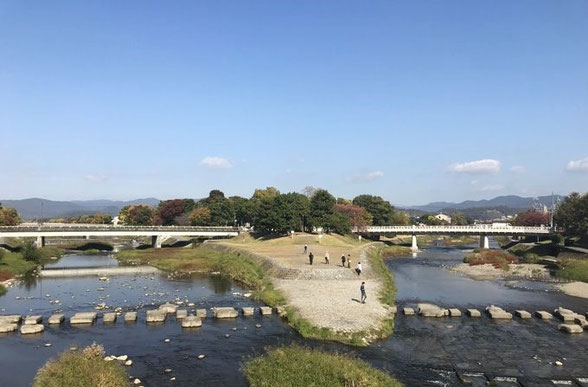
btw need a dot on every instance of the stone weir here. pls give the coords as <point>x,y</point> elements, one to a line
<point>99,271</point>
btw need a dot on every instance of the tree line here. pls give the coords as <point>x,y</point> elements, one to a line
<point>270,211</point>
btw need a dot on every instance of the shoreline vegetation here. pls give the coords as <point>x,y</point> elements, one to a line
<point>86,368</point>
<point>300,367</point>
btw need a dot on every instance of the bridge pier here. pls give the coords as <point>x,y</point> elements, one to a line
<point>484,243</point>
<point>40,242</point>
<point>156,241</point>
<point>414,247</point>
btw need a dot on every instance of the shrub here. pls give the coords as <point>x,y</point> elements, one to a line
<point>297,366</point>
<point>82,369</point>
<point>30,252</point>
<point>497,258</point>
<point>6,274</point>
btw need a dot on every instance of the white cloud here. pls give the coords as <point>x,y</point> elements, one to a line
<point>214,162</point>
<point>492,187</point>
<point>478,166</point>
<point>96,177</point>
<point>578,165</point>
<point>518,169</point>
<point>367,176</point>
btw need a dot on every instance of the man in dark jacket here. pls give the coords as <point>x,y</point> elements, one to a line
<point>310,257</point>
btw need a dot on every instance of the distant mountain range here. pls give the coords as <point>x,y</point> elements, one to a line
<point>36,208</point>
<point>509,201</point>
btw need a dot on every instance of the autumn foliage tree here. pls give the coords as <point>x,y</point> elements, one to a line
<point>167,211</point>
<point>8,216</point>
<point>532,218</point>
<point>199,216</point>
<point>357,216</point>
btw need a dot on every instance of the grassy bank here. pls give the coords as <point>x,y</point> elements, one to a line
<point>13,263</point>
<point>85,368</point>
<point>573,270</point>
<point>296,366</point>
<point>203,259</point>
<point>394,251</point>
<point>2,290</point>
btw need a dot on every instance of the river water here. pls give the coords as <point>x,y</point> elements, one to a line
<point>421,352</point>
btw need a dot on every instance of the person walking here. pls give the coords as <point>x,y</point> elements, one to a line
<point>358,268</point>
<point>305,249</point>
<point>327,257</point>
<point>363,295</point>
<point>343,260</point>
<point>349,261</point>
<point>310,257</point>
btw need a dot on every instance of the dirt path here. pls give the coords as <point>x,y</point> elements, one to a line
<point>326,295</point>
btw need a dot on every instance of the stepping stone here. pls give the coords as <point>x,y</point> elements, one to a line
<point>10,319</point>
<point>408,311</point>
<point>430,310</point>
<point>32,320</point>
<point>281,311</point>
<point>393,309</point>
<point>454,312</point>
<point>265,310</point>
<point>83,318</point>
<point>56,319</point>
<point>168,308</point>
<point>543,315</point>
<point>522,314</point>
<point>248,311</point>
<point>498,313</point>
<point>224,312</point>
<point>581,321</point>
<point>29,329</point>
<point>202,313</point>
<point>156,316</point>
<point>566,315</point>
<point>130,316</point>
<point>8,327</point>
<point>570,328</point>
<point>109,318</point>
<point>181,313</point>
<point>191,322</point>
<point>474,313</point>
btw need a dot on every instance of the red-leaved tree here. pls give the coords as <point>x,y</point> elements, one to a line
<point>358,216</point>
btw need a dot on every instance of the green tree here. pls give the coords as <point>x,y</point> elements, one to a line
<point>101,218</point>
<point>221,213</point>
<point>459,219</point>
<point>269,192</point>
<point>200,216</point>
<point>282,213</point>
<point>381,210</point>
<point>244,209</point>
<point>136,215</point>
<point>321,209</point>
<point>572,215</point>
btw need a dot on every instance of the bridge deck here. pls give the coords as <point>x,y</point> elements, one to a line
<point>455,230</point>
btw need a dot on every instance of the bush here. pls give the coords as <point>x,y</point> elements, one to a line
<point>30,252</point>
<point>530,258</point>
<point>2,290</point>
<point>296,366</point>
<point>82,369</point>
<point>498,258</point>
<point>573,270</point>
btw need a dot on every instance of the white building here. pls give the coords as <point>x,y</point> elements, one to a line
<point>445,218</point>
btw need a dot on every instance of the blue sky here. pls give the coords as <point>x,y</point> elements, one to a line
<point>413,101</point>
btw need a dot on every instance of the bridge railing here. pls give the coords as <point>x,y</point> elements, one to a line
<point>470,229</point>
<point>100,227</point>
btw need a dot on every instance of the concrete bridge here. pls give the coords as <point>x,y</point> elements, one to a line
<point>157,233</point>
<point>483,230</point>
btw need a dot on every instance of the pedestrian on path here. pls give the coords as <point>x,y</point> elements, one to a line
<point>310,257</point>
<point>305,248</point>
<point>343,260</point>
<point>363,295</point>
<point>358,268</point>
<point>349,261</point>
<point>327,257</point>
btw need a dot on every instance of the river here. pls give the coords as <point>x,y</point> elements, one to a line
<point>421,352</point>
